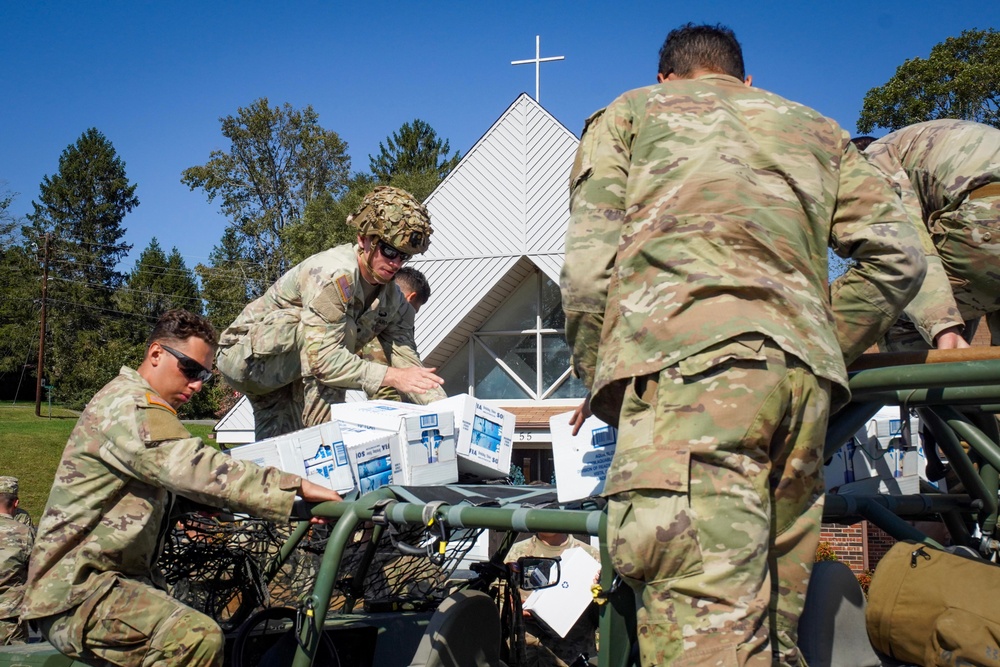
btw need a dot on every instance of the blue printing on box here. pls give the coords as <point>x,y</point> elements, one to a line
<point>602,437</point>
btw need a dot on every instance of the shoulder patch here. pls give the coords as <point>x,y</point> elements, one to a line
<point>155,401</point>
<point>161,422</point>
<point>345,288</point>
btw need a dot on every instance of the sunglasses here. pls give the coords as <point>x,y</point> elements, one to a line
<point>192,370</point>
<point>392,253</point>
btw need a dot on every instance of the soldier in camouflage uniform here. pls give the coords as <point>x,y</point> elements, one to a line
<point>543,648</point>
<point>294,351</point>
<point>416,290</point>
<point>700,318</point>
<point>15,547</point>
<point>948,175</point>
<point>92,589</point>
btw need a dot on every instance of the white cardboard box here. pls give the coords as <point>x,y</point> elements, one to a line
<point>581,460</point>
<point>485,436</point>
<point>426,438</point>
<point>374,455</point>
<point>560,606</point>
<point>317,453</point>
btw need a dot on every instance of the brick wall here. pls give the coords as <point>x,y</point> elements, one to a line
<point>847,542</point>
<point>878,543</point>
<point>860,546</point>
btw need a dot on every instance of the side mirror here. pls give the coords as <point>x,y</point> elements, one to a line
<point>534,573</point>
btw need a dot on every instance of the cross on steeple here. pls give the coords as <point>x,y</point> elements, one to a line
<point>538,60</point>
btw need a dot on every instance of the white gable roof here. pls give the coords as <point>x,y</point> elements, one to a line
<point>507,201</point>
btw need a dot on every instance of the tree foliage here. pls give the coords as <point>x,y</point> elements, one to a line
<point>18,304</point>
<point>960,79</point>
<point>157,284</point>
<point>229,282</point>
<point>279,160</point>
<point>412,149</point>
<point>82,208</point>
<point>324,224</point>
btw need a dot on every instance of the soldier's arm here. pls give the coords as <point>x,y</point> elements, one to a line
<point>933,310</point>
<point>325,355</point>
<point>400,339</point>
<point>152,445</point>
<point>871,227</point>
<point>597,209</point>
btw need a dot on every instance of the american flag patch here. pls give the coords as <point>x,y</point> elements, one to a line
<point>344,287</point>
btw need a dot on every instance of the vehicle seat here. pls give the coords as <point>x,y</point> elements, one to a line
<point>832,630</point>
<point>463,632</point>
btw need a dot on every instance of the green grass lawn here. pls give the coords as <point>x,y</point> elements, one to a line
<point>30,448</point>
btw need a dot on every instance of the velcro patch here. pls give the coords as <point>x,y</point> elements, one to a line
<point>154,400</point>
<point>345,288</point>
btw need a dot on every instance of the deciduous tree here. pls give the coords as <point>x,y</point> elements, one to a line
<point>279,159</point>
<point>960,79</point>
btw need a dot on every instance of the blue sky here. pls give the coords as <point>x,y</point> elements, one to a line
<point>155,77</point>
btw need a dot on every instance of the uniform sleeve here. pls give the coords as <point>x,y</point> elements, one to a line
<point>159,451</point>
<point>325,354</point>
<point>400,338</point>
<point>871,227</point>
<point>933,309</point>
<point>597,209</point>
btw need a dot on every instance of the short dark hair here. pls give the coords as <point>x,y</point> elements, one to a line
<point>410,280</point>
<point>179,325</point>
<point>693,47</point>
<point>863,142</point>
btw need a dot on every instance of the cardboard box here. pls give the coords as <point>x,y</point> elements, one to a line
<point>426,438</point>
<point>484,436</point>
<point>560,606</point>
<point>317,453</point>
<point>581,460</point>
<point>374,455</point>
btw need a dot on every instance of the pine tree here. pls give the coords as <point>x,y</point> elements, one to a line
<point>157,284</point>
<point>414,148</point>
<point>82,208</point>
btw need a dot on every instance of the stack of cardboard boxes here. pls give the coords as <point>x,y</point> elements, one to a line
<point>370,444</point>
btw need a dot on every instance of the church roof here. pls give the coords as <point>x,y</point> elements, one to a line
<point>500,213</point>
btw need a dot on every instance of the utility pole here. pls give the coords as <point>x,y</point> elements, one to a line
<point>41,335</point>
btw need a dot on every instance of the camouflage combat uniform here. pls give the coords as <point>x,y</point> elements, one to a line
<point>543,647</point>
<point>699,315</point>
<point>91,577</point>
<point>948,175</point>
<point>376,353</point>
<point>15,546</point>
<point>295,350</point>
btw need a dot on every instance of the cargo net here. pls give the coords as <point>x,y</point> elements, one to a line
<point>220,567</point>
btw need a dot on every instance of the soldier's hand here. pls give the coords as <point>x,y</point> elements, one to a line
<point>580,415</point>
<point>412,380</point>
<point>314,493</point>
<point>950,339</point>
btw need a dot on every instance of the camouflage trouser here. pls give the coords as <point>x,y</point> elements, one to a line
<point>264,363</point>
<point>968,242</point>
<point>13,631</point>
<point>721,570</point>
<point>133,624</point>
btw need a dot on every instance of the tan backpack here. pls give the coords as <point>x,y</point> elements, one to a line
<point>931,607</point>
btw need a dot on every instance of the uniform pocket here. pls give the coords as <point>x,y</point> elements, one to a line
<point>747,347</point>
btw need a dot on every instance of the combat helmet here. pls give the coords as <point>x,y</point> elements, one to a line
<point>396,217</point>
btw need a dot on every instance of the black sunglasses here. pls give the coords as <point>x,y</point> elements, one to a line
<point>192,369</point>
<point>392,253</point>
